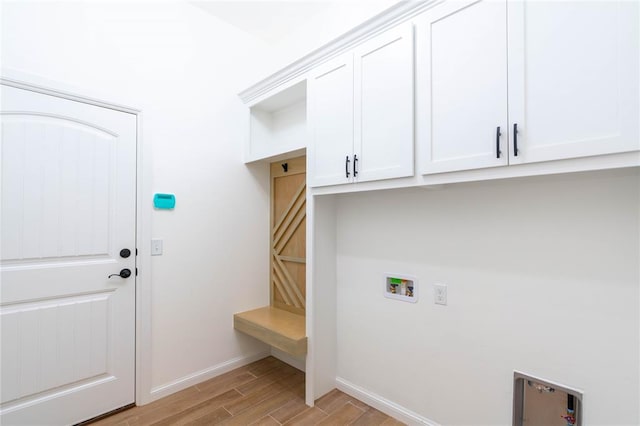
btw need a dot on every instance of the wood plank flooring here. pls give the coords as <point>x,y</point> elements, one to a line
<point>266,392</point>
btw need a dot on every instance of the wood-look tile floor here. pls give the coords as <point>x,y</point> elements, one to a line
<point>266,392</point>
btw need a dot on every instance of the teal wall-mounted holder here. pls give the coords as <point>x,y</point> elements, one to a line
<point>164,201</point>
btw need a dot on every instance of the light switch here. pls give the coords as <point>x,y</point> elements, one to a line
<point>156,247</point>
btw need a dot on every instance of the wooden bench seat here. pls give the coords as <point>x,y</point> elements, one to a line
<point>279,328</point>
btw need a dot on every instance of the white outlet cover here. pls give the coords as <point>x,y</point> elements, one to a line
<point>440,294</point>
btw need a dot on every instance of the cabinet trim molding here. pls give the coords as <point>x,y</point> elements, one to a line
<point>387,19</point>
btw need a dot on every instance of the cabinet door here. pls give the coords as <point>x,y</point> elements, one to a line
<point>383,106</point>
<point>331,122</point>
<point>573,78</point>
<point>462,86</point>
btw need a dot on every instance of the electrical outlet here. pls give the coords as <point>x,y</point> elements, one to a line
<point>440,294</point>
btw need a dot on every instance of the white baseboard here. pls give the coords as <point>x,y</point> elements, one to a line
<point>202,375</point>
<point>388,407</point>
<point>298,363</point>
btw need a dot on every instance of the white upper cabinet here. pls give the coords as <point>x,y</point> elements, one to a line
<point>559,79</point>
<point>573,78</point>
<point>462,81</point>
<point>331,122</point>
<point>361,112</point>
<point>383,108</point>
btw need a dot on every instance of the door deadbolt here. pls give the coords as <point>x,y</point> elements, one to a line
<point>125,253</point>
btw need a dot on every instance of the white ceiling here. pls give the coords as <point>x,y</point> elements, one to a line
<point>271,21</point>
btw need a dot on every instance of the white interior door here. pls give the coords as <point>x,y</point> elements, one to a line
<point>573,78</point>
<point>462,71</point>
<point>383,106</point>
<point>68,209</point>
<point>331,122</point>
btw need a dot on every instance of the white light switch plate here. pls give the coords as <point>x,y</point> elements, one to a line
<point>440,294</point>
<point>156,247</point>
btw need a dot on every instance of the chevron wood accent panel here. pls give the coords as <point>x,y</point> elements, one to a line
<point>288,234</point>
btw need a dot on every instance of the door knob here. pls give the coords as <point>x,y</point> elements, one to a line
<point>125,273</point>
<point>125,253</point>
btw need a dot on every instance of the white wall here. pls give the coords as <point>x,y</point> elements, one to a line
<point>293,29</point>
<point>182,68</point>
<point>542,277</point>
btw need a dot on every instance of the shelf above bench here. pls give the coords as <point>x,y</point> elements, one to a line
<point>279,328</point>
<point>278,125</point>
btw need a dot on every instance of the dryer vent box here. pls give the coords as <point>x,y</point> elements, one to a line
<point>544,403</point>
